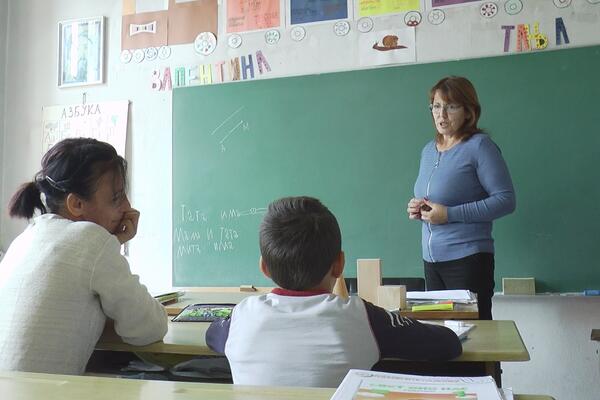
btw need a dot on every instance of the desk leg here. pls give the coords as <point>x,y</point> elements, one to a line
<point>493,368</point>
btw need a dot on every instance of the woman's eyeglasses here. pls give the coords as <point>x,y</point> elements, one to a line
<point>436,108</point>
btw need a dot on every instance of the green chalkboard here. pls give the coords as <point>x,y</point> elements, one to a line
<point>353,139</point>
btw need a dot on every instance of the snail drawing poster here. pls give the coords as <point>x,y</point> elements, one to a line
<point>392,46</point>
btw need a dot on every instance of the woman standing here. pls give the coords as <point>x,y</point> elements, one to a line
<point>462,187</point>
<point>64,275</point>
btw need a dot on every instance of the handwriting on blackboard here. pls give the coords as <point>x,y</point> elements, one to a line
<point>197,234</point>
<point>226,128</point>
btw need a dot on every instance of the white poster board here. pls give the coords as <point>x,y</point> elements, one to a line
<point>106,122</point>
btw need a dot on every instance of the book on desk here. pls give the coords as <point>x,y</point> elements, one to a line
<point>365,385</point>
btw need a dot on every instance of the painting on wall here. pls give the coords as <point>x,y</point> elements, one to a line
<point>81,52</point>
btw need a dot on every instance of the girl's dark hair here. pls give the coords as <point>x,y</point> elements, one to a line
<point>70,166</point>
<point>299,241</point>
<point>459,90</point>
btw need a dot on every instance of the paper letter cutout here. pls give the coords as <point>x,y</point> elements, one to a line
<point>234,69</point>
<point>205,72</point>
<point>179,76</point>
<point>507,30</point>
<point>219,68</point>
<point>540,39</point>
<point>260,61</point>
<point>522,37</point>
<point>246,67</point>
<point>561,29</point>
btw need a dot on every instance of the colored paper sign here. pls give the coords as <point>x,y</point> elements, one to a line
<point>180,23</point>
<point>190,18</point>
<point>306,11</point>
<point>250,15</point>
<point>446,3</point>
<point>393,46</point>
<point>367,8</point>
<point>106,122</point>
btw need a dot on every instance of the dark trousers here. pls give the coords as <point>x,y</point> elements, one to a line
<point>475,273</point>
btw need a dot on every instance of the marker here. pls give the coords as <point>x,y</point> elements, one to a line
<point>591,292</point>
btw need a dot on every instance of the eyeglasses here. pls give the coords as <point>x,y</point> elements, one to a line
<point>436,108</point>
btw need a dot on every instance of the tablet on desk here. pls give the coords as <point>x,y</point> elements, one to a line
<point>204,312</point>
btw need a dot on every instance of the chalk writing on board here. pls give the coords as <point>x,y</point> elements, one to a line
<point>245,127</point>
<point>201,234</point>
<point>229,126</point>
<point>226,120</point>
<point>235,213</point>
<point>191,215</point>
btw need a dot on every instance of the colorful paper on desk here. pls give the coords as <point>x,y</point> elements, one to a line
<point>204,312</point>
<point>438,306</point>
<point>454,295</point>
<point>366,385</point>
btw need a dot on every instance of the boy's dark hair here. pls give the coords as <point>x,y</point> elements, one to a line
<point>299,241</point>
<point>70,166</point>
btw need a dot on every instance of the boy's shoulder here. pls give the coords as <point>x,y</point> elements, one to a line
<point>317,304</point>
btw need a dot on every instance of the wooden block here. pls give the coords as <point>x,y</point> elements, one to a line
<point>340,288</point>
<point>368,274</point>
<point>392,297</point>
<point>518,286</point>
<point>247,288</point>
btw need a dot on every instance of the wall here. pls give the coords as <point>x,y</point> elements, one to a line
<point>556,330</point>
<point>3,31</point>
<point>30,84</point>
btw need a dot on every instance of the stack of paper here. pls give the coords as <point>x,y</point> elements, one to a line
<point>367,385</point>
<point>166,298</point>
<point>456,296</point>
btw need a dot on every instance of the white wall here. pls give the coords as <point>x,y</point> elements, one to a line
<point>556,330</point>
<point>3,31</point>
<point>30,84</point>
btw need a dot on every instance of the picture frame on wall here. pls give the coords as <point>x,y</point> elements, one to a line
<point>81,52</point>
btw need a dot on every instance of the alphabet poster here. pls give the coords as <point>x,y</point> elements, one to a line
<point>106,122</point>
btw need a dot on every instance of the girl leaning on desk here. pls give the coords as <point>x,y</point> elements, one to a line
<point>462,186</point>
<point>64,275</point>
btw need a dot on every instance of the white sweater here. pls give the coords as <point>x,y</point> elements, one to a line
<point>59,280</point>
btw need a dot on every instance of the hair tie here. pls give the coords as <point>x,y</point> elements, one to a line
<point>55,184</point>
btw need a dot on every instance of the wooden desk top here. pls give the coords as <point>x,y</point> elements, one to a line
<point>489,341</point>
<point>461,311</point>
<point>30,386</point>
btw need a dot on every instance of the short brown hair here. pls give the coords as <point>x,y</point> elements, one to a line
<point>459,90</point>
<point>299,241</point>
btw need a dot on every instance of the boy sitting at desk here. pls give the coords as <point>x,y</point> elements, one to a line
<point>301,334</point>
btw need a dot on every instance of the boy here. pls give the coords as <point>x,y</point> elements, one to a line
<point>301,334</point>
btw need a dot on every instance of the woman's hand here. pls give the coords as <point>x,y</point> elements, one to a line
<point>127,228</point>
<point>436,214</point>
<point>414,208</point>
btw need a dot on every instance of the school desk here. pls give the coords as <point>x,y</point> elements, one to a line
<point>490,343</point>
<point>30,386</point>
<point>233,295</point>
<point>596,334</point>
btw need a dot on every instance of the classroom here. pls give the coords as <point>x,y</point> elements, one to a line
<point>216,125</point>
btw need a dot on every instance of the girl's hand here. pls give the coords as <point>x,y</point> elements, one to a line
<point>127,228</point>
<point>436,214</point>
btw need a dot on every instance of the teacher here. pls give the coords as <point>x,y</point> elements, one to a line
<point>462,187</point>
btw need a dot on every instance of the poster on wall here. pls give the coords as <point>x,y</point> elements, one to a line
<point>308,11</point>
<point>368,8</point>
<point>251,15</point>
<point>450,3</point>
<point>156,23</point>
<point>106,122</point>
